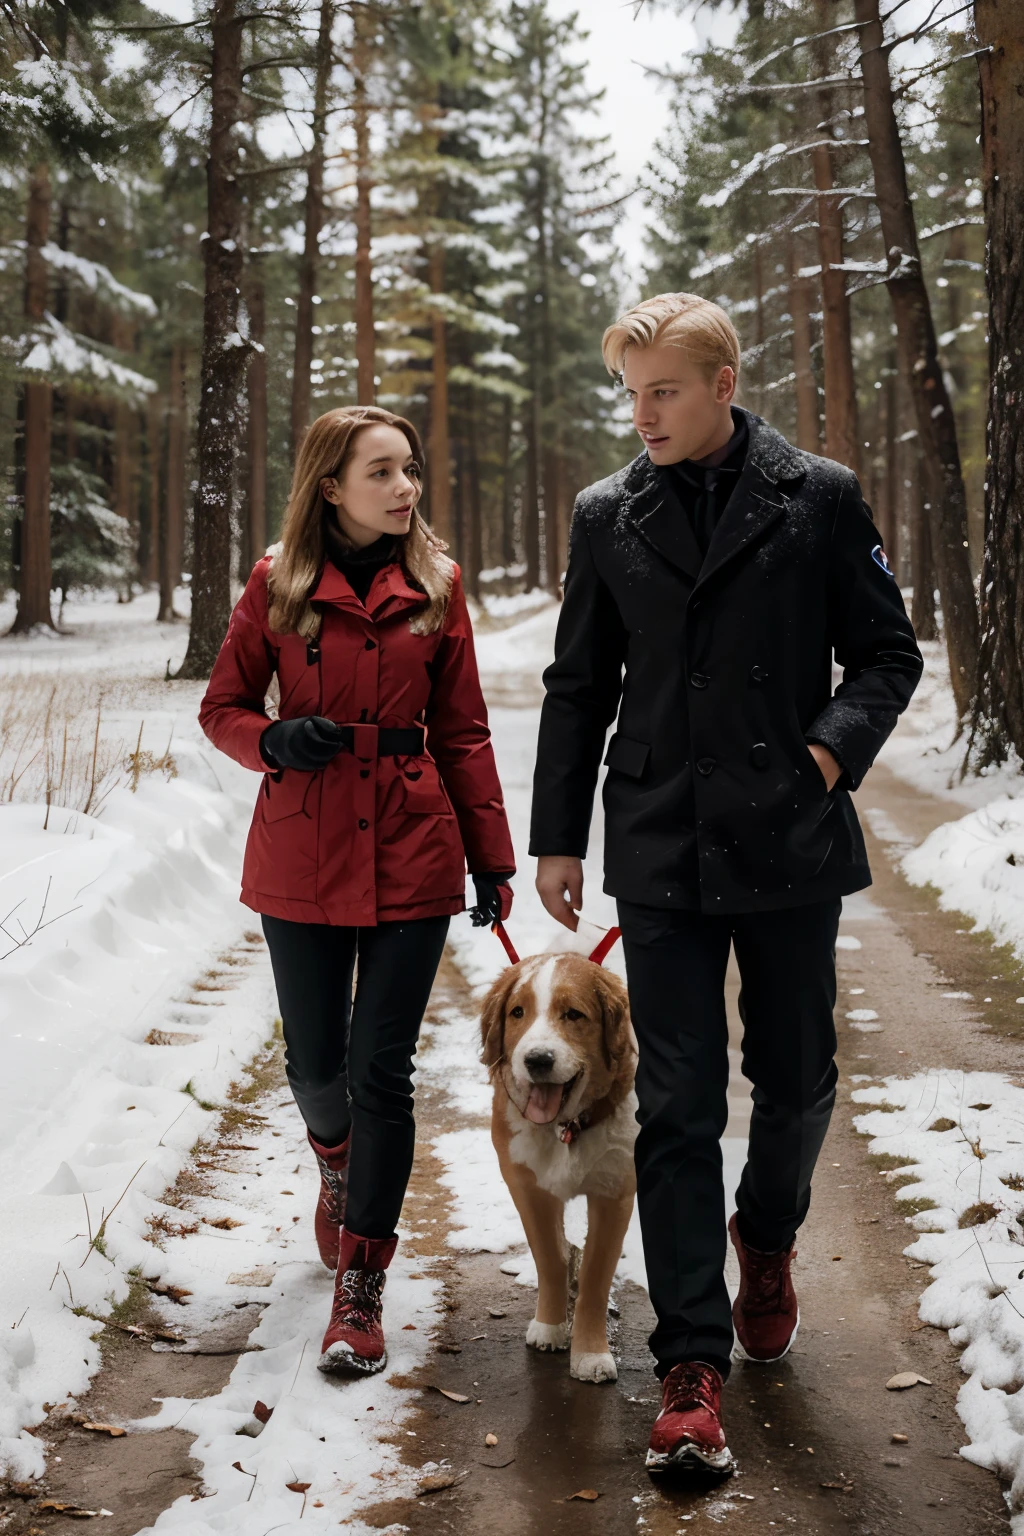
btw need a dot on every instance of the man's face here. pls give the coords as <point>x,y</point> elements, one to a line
<point>679,411</point>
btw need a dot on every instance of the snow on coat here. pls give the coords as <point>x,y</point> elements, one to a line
<point>368,839</point>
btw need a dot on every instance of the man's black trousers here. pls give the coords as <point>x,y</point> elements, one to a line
<point>676,964</point>
<point>349,1059</point>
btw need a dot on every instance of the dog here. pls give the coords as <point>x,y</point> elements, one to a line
<point>561,1053</point>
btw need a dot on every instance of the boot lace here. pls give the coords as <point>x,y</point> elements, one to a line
<point>332,1194</point>
<point>693,1385</point>
<point>357,1300</point>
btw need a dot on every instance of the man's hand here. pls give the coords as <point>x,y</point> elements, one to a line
<point>830,769</point>
<point>560,888</point>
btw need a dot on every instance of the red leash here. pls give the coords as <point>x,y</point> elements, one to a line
<point>598,955</point>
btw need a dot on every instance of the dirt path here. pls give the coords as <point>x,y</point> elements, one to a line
<point>813,1436</point>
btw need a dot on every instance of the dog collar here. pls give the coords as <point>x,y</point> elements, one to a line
<point>571,1131</point>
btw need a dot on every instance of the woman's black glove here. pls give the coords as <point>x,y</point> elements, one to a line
<point>308,742</point>
<point>493,900</point>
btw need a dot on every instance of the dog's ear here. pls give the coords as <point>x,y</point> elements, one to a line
<point>492,1017</point>
<point>617,1034</point>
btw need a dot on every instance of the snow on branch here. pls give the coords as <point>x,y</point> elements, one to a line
<point>97,279</point>
<point>489,383</point>
<point>54,83</point>
<point>768,157</point>
<point>58,355</point>
<point>941,229</point>
<point>798,42</point>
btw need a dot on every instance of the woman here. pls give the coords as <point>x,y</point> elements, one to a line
<point>378,784</point>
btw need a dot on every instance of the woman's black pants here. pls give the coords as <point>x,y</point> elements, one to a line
<point>676,962</point>
<point>349,1057</point>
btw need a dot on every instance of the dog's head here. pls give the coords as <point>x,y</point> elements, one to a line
<point>556,1029</point>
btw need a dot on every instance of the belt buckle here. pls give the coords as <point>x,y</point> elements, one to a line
<point>364,742</point>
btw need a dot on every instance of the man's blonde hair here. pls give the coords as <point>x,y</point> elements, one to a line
<point>700,329</point>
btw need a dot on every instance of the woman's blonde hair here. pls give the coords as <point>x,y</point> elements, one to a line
<point>299,558</point>
<point>701,330</point>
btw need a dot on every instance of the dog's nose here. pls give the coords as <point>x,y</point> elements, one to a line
<point>539,1062</point>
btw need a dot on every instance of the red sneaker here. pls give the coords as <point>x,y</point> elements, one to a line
<point>354,1341</point>
<point>330,1206</point>
<point>688,1434</point>
<point>765,1313</point>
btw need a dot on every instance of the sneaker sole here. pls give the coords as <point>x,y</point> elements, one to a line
<point>739,1353</point>
<point>341,1361</point>
<point>687,1457</point>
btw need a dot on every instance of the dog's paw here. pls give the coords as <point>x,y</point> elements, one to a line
<point>548,1336</point>
<point>593,1368</point>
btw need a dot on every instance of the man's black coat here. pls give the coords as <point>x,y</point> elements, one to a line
<point>728,676</point>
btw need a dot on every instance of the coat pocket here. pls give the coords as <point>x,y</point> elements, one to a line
<point>423,793</point>
<point>286,796</point>
<point>627,756</point>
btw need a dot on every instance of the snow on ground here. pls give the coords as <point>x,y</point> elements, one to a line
<point>958,1142</point>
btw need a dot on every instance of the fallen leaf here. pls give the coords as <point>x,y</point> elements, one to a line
<point>409,1328</point>
<point>223,1223</point>
<point>455,1397</point>
<point>297,1487</point>
<point>840,1487</point>
<point>175,1292</point>
<point>904,1379</point>
<point>437,1482</point>
<point>73,1511</point>
<point>901,1439</point>
<point>113,1430</point>
<point>496,1312</point>
<point>262,1412</point>
<point>490,1439</point>
<point>448,1349</point>
<point>837,1258</point>
<point>261,1274</point>
<point>589,1494</point>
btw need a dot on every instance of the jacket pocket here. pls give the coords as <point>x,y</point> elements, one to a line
<point>627,756</point>
<point>423,793</point>
<point>286,796</point>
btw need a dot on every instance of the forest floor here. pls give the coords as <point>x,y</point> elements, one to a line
<point>460,1297</point>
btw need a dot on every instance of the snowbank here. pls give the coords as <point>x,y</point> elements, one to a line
<point>959,1140</point>
<point>977,866</point>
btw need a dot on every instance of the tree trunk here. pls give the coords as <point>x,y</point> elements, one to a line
<point>125,486</point>
<point>472,548</point>
<point>172,507</point>
<point>999,719</point>
<point>943,480</point>
<point>890,526</point>
<point>806,386</point>
<point>256,514</point>
<point>149,564</point>
<point>309,264</point>
<point>922,566</point>
<point>531,496</point>
<point>438,448</point>
<point>35,572</point>
<point>225,355</point>
<point>508,544</point>
<point>366,349</point>
<point>759,330</point>
<point>842,433</point>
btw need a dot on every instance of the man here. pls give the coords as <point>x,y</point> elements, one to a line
<point>709,583</point>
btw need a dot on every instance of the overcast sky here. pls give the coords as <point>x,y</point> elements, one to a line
<point>635,108</point>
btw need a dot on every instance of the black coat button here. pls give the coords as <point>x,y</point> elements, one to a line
<point>364,773</point>
<point>758,674</point>
<point>759,755</point>
<point>705,765</point>
<point>371,645</point>
<point>698,680</point>
<point>363,823</point>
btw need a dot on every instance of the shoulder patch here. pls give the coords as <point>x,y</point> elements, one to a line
<point>878,555</point>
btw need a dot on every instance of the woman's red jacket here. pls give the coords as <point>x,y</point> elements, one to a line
<point>369,839</point>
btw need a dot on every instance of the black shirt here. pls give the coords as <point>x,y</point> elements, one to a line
<point>703,489</point>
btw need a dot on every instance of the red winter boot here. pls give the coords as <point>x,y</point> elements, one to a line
<point>330,1207</point>
<point>765,1313</point>
<point>354,1341</point>
<point>688,1433</point>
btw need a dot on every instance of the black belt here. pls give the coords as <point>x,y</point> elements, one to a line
<point>366,741</point>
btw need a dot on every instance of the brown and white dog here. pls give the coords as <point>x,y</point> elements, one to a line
<point>562,1057</point>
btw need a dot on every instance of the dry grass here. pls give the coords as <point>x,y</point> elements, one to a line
<point>56,748</point>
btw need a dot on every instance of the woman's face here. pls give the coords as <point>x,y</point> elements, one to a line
<point>379,487</point>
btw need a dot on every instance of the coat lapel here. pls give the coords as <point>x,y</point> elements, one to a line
<point>759,499</point>
<point>657,514</point>
<point>390,592</point>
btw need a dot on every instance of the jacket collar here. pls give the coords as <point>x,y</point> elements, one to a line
<point>391,592</point>
<point>757,501</point>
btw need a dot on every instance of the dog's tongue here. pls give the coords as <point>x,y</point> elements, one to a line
<point>544,1102</point>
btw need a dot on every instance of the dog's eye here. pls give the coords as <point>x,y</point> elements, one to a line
<point>572,1014</point>
<point>516,1012</point>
